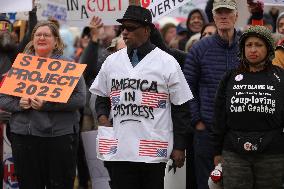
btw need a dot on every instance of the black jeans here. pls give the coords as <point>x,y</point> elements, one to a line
<point>136,175</point>
<point>45,161</point>
<point>82,167</point>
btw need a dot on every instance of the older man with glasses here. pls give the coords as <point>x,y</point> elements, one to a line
<point>143,90</point>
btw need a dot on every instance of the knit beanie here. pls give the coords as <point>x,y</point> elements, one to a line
<point>3,17</point>
<point>259,32</point>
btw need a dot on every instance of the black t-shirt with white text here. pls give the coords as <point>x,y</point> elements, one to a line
<point>254,101</point>
<point>248,102</point>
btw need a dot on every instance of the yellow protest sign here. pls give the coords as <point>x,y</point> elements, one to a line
<point>49,79</point>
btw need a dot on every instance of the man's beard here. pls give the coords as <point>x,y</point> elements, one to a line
<point>7,43</point>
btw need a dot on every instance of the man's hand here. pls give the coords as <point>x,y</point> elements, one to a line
<point>200,126</point>
<point>255,6</point>
<point>95,25</point>
<point>4,116</point>
<point>34,4</point>
<point>103,121</point>
<point>25,103</point>
<point>218,159</point>
<point>37,103</point>
<point>178,156</point>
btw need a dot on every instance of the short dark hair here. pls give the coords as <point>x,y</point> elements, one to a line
<point>205,26</point>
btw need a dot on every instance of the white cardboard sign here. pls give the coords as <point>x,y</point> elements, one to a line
<point>15,6</point>
<point>274,2</point>
<point>160,8</point>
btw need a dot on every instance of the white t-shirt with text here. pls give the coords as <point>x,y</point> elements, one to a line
<point>141,98</point>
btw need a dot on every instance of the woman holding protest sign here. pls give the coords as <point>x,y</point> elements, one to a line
<point>249,114</point>
<point>45,134</point>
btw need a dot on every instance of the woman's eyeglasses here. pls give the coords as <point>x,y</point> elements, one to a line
<point>44,35</point>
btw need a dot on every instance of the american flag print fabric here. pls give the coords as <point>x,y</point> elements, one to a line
<point>107,146</point>
<point>153,148</point>
<point>115,97</point>
<point>154,100</point>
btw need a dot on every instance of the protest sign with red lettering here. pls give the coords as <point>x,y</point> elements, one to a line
<point>80,12</point>
<point>49,79</point>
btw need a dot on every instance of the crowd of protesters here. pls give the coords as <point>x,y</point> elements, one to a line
<point>217,87</point>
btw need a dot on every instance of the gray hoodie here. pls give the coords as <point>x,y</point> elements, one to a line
<point>204,17</point>
<point>190,33</point>
<point>281,15</point>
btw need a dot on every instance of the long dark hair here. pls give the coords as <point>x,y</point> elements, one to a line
<point>244,66</point>
<point>205,26</point>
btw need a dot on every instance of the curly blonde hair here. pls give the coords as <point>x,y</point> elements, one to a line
<point>59,47</point>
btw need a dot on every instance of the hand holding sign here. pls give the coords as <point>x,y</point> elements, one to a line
<point>49,79</point>
<point>33,3</point>
<point>25,103</point>
<point>255,6</point>
<point>37,103</point>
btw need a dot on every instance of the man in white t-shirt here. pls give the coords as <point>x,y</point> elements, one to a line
<point>143,90</point>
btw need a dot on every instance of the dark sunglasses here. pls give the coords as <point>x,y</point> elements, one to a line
<point>130,28</point>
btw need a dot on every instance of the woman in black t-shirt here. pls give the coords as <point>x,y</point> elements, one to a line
<point>249,110</point>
